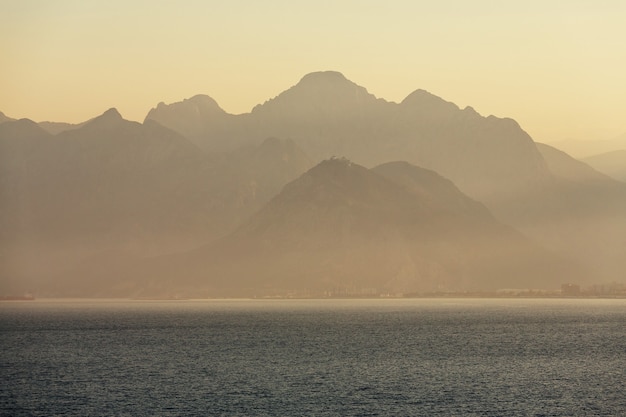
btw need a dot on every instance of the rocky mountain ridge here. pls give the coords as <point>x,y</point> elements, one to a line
<point>111,192</point>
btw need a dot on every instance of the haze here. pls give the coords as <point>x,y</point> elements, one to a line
<point>311,150</point>
<point>556,67</point>
<point>197,202</point>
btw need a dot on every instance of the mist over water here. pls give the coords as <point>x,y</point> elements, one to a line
<point>314,357</point>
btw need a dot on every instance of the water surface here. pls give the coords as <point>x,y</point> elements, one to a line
<point>314,357</point>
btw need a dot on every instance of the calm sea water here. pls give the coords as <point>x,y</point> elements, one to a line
<point>320,358</point>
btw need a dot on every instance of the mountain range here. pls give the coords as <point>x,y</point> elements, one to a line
<point>113,188</point>
<point>327,115</point>
<point>582,149</point>
<point>611,163</point>
<point>491,159</point>
<point>341,229</point>
<point>198,201</point>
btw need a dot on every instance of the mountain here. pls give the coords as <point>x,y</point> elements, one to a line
<point>55,128</point>
<point>565,167</point>
<point>484,156</point>
<point>492,160</point>
<point>50,127</point>
<point>611,163</point>
<point>327,114</point>
<point>98,188</point>
<point>581,214</point>
<point>114,189</point>
<point>22,145</point>
<point>585,148</point>
<point>341,229</point>
<point>433,189</point>
<point>135,174</point>
<point>4,118</point>
<point>318,95</point>
<point>321,100</point>
<point>191,117</point>
<point>109,191</point>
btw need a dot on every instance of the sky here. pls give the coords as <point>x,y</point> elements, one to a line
<point>557,67</point>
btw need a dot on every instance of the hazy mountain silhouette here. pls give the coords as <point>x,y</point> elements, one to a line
<point>582,213</point>
<point>490,159</point>
<point>22,143</point>
<point>326,114</point>
<point>108,191</point>
<point>586,148</point>
<point>102,186</point>
<point>50,127</point>
<point>57,127</point>
<point>341,229</point>
<point>114,189</point>
<point>191,117</point>
<point>611,163</point>
<point>433,189</point>
<point>4,118</point>
<point>565,167</point>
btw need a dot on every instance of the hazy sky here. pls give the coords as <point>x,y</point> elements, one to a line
<point>557,67</point>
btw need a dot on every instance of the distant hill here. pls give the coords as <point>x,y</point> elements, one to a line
<point>341,229</point>
<point>50,127</point>
<point>585,148</point>
<point>565,167</point>
<point>582,213</point>
<point>611,163</point>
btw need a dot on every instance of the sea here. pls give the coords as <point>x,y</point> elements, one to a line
<point>354,357</point>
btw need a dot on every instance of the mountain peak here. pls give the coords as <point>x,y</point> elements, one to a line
<point>189,117</point>
<point>112,114</point>
<point>203,103</point>
<point>332,167</point>
<point>4,118</point>
<point>108,119</point>
<point>324,77</point>
<point>424,98</point>
<point>200,105</point>
<point>341,224</point>
<point>331,81</point>
<point>336,180</point>
<point>22,128</point>
<point>318,93</point>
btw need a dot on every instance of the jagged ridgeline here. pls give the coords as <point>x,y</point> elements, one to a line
<point>198,201</point>
<point>326,115</point>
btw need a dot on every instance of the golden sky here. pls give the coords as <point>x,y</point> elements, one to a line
<point>558,67</point>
